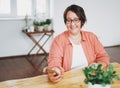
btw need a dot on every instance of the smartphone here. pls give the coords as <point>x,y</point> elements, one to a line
<point>49,70</point>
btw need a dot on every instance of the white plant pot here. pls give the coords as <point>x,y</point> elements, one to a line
<point>40,28</point>
<point>45,27</point>
<point>97,86</point>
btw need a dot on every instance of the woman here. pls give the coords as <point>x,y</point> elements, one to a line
<point>74,47</point>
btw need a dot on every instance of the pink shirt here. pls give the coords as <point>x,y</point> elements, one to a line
<point>61,51</point>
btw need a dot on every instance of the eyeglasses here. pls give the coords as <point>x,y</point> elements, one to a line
<point>75,21</point>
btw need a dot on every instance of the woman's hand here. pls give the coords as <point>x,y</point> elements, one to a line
<point>54,74</point>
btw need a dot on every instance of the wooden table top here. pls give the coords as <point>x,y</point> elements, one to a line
<point>71,79</point>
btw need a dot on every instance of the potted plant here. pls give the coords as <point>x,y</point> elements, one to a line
<point>96,77</point>
<point>48,21</point>
<point>47,24</point>
<point>42,25</point>
<point>39,25</point>
<point>36,24</point>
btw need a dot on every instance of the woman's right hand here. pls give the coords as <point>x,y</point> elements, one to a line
<point>54,74</point>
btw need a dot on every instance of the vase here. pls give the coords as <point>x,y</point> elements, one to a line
<point>97,86</point>
<point>46,27</point>
<point>40,28</point>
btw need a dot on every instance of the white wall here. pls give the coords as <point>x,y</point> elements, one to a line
<point>14,42</point>
<point>102,19</point>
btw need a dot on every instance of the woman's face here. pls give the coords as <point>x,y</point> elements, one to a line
<point>73,23</point>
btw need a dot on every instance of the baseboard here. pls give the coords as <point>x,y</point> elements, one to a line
<point>7,57</point>
<point>111,46</point>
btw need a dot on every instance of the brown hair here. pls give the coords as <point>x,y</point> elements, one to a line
<point>79,11</point>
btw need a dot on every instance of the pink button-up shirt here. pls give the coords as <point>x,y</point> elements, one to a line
<point>61,51</point>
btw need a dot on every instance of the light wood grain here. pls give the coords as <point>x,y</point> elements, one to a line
<point>71,79</point>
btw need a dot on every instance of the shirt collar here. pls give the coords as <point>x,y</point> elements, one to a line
<point>83,35</point>
<point>67,37</point>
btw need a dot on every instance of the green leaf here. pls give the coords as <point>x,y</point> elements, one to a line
<point>100,76</point>
<point>116,77</point>
<point>99,67</point>
<point>92,66</point>
<point>105,74</point>
<point>86,81</point>
<point>111,68</point>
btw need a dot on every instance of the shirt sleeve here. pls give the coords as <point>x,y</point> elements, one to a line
<point>56,54</point>
<point>101,54</point>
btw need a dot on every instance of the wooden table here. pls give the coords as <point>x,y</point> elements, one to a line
<point>71,79</point>
<point>44,34</point>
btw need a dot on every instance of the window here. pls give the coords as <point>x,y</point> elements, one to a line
<point>24,7</point>
<point>4,6</point>
<point>41,4</point>
<point>20,8</point>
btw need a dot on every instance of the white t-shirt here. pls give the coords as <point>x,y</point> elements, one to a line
<point>79,59</point>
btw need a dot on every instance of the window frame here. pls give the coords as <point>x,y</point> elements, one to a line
<point>13,14</point>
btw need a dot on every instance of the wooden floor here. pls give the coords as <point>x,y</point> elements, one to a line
<point>29,66</point>
<point>21,67</point>
<point>114,53</point>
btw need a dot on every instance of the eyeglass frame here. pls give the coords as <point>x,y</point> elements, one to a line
<point>75,21</point>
